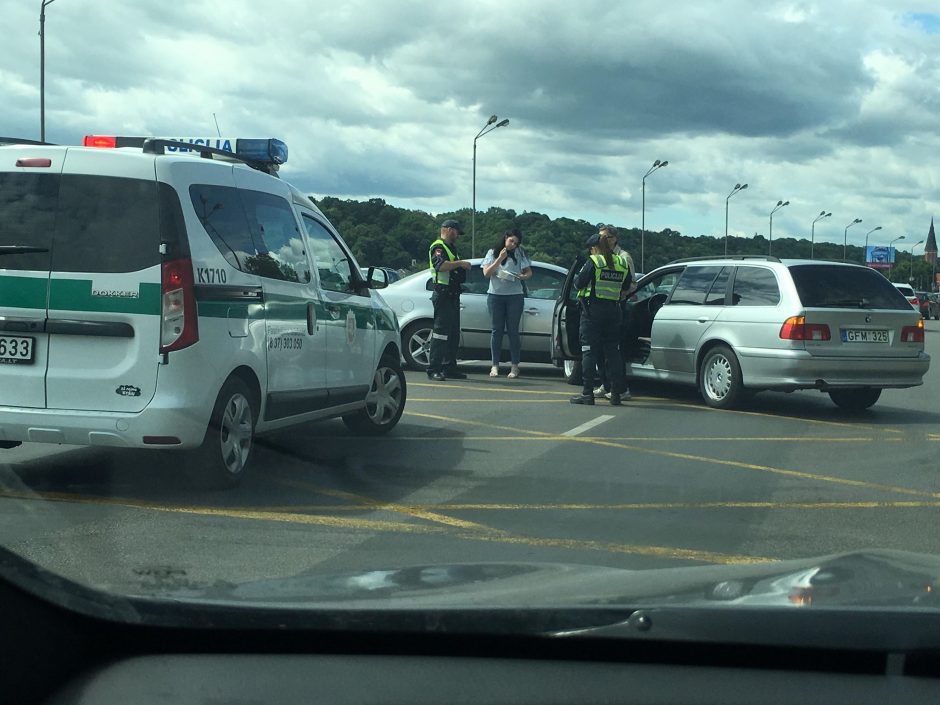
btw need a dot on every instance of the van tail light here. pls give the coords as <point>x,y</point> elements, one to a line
<point>913,334</point>
<point>796,328</point>
<point>179,326</point>
<point>105,141</point>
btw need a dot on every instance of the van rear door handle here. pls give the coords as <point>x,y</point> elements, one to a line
<point>311,317</point>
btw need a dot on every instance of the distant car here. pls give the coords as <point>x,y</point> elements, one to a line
<point>737,325</point>
<point>923,303</point>
<point>933,304</point>
<point>393,274</point>
<point>909,294</point>
<point>410,299</point>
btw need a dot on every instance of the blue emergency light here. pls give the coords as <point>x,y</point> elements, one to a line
<point>270,151</point>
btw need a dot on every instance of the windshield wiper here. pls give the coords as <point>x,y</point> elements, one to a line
<point>21,249</point>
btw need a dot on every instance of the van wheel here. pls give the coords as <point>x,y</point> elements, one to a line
<point>385,401</point>
<point>854,399</point>
<point>719,378</point>
<point>572,370</point>
<point>416,344</point>
<point>224,454</point>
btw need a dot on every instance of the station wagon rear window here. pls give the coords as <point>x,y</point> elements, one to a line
<point>832,286</point>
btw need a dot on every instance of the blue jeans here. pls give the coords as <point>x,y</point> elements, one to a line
<point>505,314</point>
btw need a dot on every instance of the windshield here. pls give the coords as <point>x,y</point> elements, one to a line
<point>202,400</point>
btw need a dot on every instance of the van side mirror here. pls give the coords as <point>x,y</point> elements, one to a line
<point>377,279</point>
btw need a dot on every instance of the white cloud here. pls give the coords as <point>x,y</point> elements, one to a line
<point>830,105</point>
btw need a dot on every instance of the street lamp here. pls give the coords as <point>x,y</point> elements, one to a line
<point>812,234</point>
<point>891,244</point>
<point>42,69</point>
<point>490,125</point>
<point>737,187</point>
<point>656,165</point>
<point>911,280</point>
<point>845,236</point>
<point>865,253</point>
<point>780,204</point>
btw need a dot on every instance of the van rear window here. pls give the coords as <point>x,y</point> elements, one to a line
<point>832,286</point>
<point>106,224</point>
<point>27,218</point>
<point>84,223</point>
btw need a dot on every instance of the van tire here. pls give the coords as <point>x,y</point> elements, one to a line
<point>719,378</point>
<point>224,456</point>
<point>855,399</point>
<point>385,401</point>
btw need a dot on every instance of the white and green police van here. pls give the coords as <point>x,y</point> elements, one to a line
<point>160,294</point>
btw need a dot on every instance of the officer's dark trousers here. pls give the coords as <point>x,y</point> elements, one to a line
<point>445,338</point>
<point>626,348</point>
<point>600,335</point>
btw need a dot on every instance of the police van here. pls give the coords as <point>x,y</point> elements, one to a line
<point>162,293</point>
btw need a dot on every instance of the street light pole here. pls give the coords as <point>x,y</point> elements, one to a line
<point>911,280</point>
<point>812,234</point>
<point>780,204</point>
<point>737,187</point>
<point>891,244</point>
<point>42,69</point>
<point>865,253</point>
<point>845,236</point>
<point>487,128</point>
<point>656,165</point>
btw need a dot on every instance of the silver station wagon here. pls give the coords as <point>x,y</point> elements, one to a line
<point>737,325</point>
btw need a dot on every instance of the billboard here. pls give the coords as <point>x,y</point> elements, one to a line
<point>879,256</point>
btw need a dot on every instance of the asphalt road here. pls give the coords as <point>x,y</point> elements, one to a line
<point>500,470</point>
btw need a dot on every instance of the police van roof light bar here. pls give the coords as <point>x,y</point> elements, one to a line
<point>262,154</point>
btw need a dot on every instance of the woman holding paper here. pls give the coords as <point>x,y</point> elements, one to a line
<point>507,267</point>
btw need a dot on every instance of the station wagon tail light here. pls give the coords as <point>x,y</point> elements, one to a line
<point>796,328</point>
<point>913,334</point>
<point>179,326</point>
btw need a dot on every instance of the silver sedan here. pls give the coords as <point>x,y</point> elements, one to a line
<point>410,298</point>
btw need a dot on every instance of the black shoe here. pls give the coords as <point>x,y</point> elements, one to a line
<point>585,399</point>
<point>437,376</point>
<point>454,374</point>
<point>615,399</point>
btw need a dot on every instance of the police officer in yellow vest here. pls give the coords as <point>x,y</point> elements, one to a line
<point>599,284</point>
<point>449,273</point>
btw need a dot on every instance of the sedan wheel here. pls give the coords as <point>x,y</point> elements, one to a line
<point>416,344</point>
<point>572,370</point>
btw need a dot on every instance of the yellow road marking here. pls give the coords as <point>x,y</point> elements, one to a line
<point>648,401</point>
<point>653,506</point>
<point>657,439</point>
<point>487,534</point>
<point>696,458</point>
<point>377,505</point>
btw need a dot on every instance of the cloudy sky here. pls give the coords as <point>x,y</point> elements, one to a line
<point>833,105</point>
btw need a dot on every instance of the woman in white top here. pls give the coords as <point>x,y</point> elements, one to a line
<point>506,266</point>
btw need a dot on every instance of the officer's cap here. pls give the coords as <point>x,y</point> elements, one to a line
<point>592,241</point>
<point>451,223</point>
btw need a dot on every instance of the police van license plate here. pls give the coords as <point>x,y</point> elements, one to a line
<point>852,335</point>
<point>16,351</point>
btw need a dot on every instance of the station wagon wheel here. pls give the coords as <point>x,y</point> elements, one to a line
<point>416,344</point>
<point>720,378</point>
<point>385,400</point>
<point>854,399</point>
<point>224,455</point>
